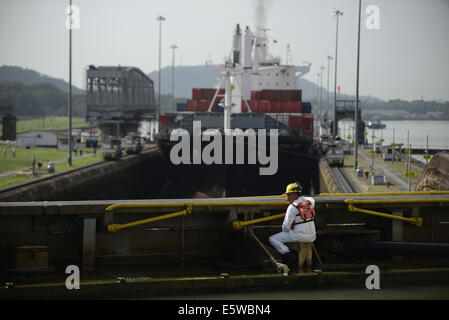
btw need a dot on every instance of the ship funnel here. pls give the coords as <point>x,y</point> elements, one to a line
<point>237,46</point>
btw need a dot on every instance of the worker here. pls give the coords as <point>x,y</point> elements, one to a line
<point>298,225</point>
<point>33,164</point>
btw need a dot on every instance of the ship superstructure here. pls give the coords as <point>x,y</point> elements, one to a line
<point>254,91</point>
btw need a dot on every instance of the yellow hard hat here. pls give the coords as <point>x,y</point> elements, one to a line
<point>293,187</point>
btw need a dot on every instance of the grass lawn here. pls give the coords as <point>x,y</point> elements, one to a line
<point>60,167</point>
<point>78,162</point>
<point>23,157</point>
<point>50,123</point>
<point>9,181</point>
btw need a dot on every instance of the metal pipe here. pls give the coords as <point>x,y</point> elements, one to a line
<point>198,204</point>
<point>415,220</point>
<point>425,193</point>
<point>282,202</point>
<point>395,201</point>
<point>237,225</point>
<point>281,268</point>
<point>182,241</point>
<point>117,227</point>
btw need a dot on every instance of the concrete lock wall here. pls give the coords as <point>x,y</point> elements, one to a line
<point>198,238</point>
<point>327,181</point>
<point>135,177</point>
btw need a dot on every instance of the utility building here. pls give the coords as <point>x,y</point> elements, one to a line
<point>8,123</point>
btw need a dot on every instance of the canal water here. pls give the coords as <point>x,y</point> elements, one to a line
<point>437,131</point>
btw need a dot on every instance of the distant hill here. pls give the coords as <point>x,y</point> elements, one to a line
<point>39,99</point>
<point>188,77</point>
<point>32,93</point>
<point>28,76</point>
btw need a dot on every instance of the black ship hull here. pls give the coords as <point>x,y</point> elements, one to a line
<point>298,160</point>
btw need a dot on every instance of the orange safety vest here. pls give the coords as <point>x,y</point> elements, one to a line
<point>306,212</point>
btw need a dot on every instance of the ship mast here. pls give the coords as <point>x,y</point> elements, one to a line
<point>237,76</point>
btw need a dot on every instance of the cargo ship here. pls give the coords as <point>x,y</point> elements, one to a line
<point>255,92</point>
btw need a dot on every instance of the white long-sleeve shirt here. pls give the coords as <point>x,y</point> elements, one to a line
<point>306,231</point>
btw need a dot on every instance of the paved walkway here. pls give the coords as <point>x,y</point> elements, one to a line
<point>393,177</point>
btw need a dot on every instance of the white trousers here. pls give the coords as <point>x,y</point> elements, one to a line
<point>277,240</point>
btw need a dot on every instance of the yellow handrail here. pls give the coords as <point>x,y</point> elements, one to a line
<point>270,203</point>
<point>395,201</point>
<point>422,193</point>
<point>237,225</point>
<point>350,202</point>
<point>415,220</point>
<point>197,204</point>
<point>117,227</point>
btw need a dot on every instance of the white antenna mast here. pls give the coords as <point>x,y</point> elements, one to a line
<point>289,59</point>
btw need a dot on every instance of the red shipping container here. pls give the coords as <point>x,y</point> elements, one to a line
<point>254,105</point>
<point>195,104</point>
<point>275,106</point>
<point>284,95</point>
<point>196,93</point>
<point>211,93</point>
<point>265,95</point>
<point>255,95</point>
<point>307,116</point>
<point>275,95</point>
<point>296,95</point>
<point>203,105</point>
<point>264,106</point>
<point>192,105</point>
<point>244,107</point>
<point>285,106</point>
<point>205,94</point>
<point>296,106</point>
<point>306,123</point>
<point>294,122</point>
<point>163,120</point>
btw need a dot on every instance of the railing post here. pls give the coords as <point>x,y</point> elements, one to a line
<point>397,225</point>
<point>89,233</point>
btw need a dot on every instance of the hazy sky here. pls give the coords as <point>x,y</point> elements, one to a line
<point>408,57</point>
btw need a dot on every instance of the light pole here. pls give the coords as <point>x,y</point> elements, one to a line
<point>409,164</point>
<point>70,87</point>
<point>372,151</point>
<point>173,47</point>
<point>394,148</point>
<point>318,94</point>
<point>336,13</point>
<point>329,58</point>
<point>356,111</point>
<point>321,91</point>
<point>158,110</point>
